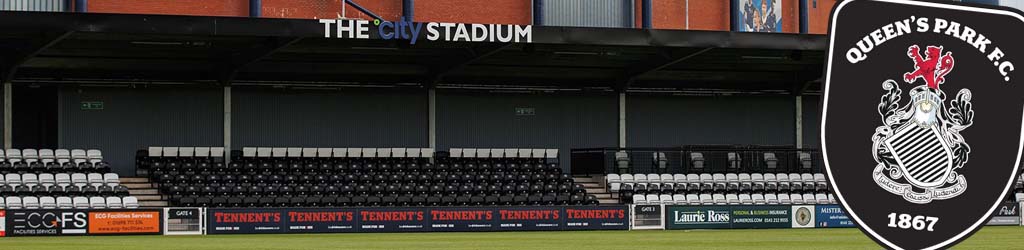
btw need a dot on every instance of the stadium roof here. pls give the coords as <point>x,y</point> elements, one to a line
<point>54,46</point>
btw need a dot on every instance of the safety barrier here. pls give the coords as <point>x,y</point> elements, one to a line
<point>197,221</point>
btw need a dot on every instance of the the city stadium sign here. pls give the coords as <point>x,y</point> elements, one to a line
<point>434,31</point>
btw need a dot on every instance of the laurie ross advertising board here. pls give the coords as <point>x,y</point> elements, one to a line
<point>447,219</point>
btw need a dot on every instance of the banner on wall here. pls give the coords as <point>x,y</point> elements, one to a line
<point>698,217</point>
<point>440,219</point>
<point>50,222</point>
<point>3,223</point>
<point>826,216</point>
<point>761,216</point>
<point>760,15</point>
<point>1007,214</point>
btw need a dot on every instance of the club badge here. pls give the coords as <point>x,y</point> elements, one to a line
<point>920,100</point>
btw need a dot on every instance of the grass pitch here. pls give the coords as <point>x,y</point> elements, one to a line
<point>1008,237</point>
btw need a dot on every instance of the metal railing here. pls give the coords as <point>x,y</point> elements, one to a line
<point>697,159</point>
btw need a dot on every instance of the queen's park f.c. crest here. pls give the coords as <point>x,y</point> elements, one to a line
<point>922,117</point>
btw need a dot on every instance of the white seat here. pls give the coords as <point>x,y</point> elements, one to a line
<point>455,153</point>
<point>678,199</point>
<point>614,187</point>
<point>758,199</point>
<point>131,202</point>
<point>771,199</point>
<point>47,202</point>
<point>784,199</point>
<point>95,179</point>
<point>79,156</point>
<point>14,203</point>
<point>14,155</point>
<point>63,155</point>
<point>525,153</point>
<point>308,152</point>
<point>511,153</point>
<point>653,199</point>
<point>732,199</point>
<point>80,202</point>
<point>186,152</point>
<point>339,152</point>
<point>497,153</point>
<point>640,178</point>
<point>757,180</point>
<point>796,199</point>
<point>3,203</point>
<point>483,153</point>
<point>706,199</point>
<point>323,152</point>
<point>13,179</point>
<point>203,152</point>
<point>30,202</point>
<point>111,179</point>
<point>679,178</point>
<point>64,202</point>
<point>639,199</point>
<point>769,180</point>
<point>427,152</point>
<point>720,199</point>
<point>628,179</point>
<point>666,199</point>
<point>114,202</point>
<point>79,179</point>
<point>831,199</point>
<point>94,155</point>
<point>293,152</point>
<point>538,153</point>
<point>3,181</point>
<point>821,198</point>
<point>746,199</point>
<point>613,178</point>
<point>354,152</point>
<point>159,151</point>
<point>653,178</point>
<point>30,155</point>
<point>217,152</point>
<point>399,152</point>
<point>47,180</point>
<point>62,179</point>
<point>809,199</point>
<point>808,179</point>
<point>693,199</point>
<point>97,203</point>
<point>47,156</point>
<point>249,152</point>
<point>551,153</point>
<point>369,152</point>
<point>30,180</point>
<point>733,181</point>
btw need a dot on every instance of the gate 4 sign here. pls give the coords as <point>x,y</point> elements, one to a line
<point>921,127</point>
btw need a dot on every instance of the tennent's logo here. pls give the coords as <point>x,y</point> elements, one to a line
<point>922,117</point>
<point>414,32</point>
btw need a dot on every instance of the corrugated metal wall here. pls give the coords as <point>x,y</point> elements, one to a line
<point>328,118</point>
<point>670,121</point>
<point>33,5</point>
<point>564,121</point>
<point>588,13</point>
<point>133,119</point>
<point>812,121</point>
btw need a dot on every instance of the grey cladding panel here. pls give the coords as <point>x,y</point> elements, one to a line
<point>670,121</point>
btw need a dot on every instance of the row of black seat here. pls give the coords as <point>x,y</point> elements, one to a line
<point>327,168</point>
<point>350,190</point>
<point>103,190</point>
<point>396,178</point>
<point>53,167</point>
<point>386,201</point>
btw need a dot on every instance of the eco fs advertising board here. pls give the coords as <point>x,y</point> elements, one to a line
<point>932,89</point>
<point>46,222</point>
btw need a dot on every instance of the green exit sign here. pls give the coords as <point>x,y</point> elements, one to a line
<point>92,105</point>
<point>526,111</point>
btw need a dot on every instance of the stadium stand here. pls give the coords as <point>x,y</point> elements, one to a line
<point>47,178</point>
<point>341,177</point>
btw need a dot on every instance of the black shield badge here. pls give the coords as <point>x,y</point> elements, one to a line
<point>922,117</point>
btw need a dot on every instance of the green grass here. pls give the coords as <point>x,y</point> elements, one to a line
<point>987,238</point>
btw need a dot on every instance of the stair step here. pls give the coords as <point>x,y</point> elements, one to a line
<point>608,201</point>
<point>596,190</point>
<point>602,196</point>
<point>134,180</point>
<point>137,185</point>
<point>149,197</point>
<point>143,191</point>
<point>591,185</point>
<point>150,204</point>
<point>584,179</point>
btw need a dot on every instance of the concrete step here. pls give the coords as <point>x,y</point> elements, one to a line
<point>608,201</point>
<point>134,180</point>
<point>585,179</point>
<point>592,185</point>
<point>149,197</point>
<point>602,196</point>
<point>138,185</point>
<point>596,190</point>
<point>152,203</point>
<point>146,191</point>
